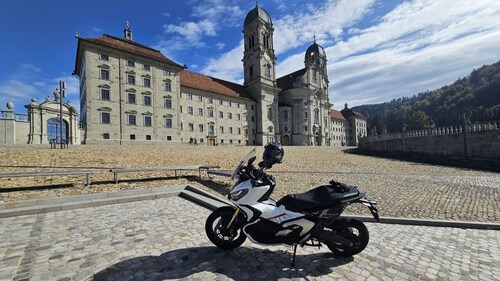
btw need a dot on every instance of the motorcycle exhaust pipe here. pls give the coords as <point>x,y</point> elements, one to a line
<point>330,236</point>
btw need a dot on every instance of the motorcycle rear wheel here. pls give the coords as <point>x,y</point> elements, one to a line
<point>355,231</point>
<point>219,234</point>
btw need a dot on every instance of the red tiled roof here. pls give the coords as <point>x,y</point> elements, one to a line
<point>130,47</point>
<point>206,83</point>
<point>336,114</point>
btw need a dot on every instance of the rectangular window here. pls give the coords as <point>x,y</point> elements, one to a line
<point>210,100</point>
<point>105,136</point>
<point>201,140</point>
<point>168,122</point>
<point>191,127</point>
<point>200,111</point>
<point>105,117</point>
<point>221,102</point>
<point>148,137</point>
<point>221,129</point>
<point>168,103</point>
<point>147,100</point>
<point>104,74</point>
<point>305,128</point>
<point>221,114</point>
<point>190,110</point>
<point>182,126</point>
<point>200,98</point>
<point>132,119</point>
<point>230,130</point>
<point>305,115</point>
<point>229,103</point>
<point>147,67</point>
<point>131,63</point>
<point>239,131</point>
<point>200,128</point>
<point>132,137</point>
<point>190,96</point>
<point>210,113</point>
<point>148,121</point>
<point>147,82</point>
<point>238,116</point>
<point>169,138</point>
<point>230,115</point>
<point>104,57</point>
<point>211,129</point>
<point>230,141</point>
<point>131,79</point>
<point>167,72</point>
<point>253,118</point>
<point>251,107</point>
<point>238,105</point>
<point>180,108</point>
<point>131,98</point>
<point>105,94</point>
<point>168,87</point>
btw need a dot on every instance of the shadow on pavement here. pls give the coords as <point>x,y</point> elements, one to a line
<point>240,263</point>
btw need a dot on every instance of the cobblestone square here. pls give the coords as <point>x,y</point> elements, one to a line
<point>165,239</point>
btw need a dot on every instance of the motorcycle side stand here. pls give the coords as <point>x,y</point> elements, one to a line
<point>294,252</point>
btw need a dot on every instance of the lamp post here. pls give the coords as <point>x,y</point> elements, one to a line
<point>62,89</point>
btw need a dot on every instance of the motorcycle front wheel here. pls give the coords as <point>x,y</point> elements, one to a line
<point>356,232</point>
<point>219,234</point>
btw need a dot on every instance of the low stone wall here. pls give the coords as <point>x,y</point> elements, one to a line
<point>479,142</point>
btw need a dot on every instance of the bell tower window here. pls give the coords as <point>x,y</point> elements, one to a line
<point>268,71</point>
<point>251,71</point>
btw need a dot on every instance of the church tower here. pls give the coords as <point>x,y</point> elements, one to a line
<point>259,64</point>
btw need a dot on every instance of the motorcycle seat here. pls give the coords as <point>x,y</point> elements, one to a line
<point>321,197</point>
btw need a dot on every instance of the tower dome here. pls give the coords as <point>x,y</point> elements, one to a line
<point>258,13</point>
<point>314,49</point>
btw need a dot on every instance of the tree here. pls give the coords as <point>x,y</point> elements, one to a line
<point>377,125</point>
<point>419,120</point>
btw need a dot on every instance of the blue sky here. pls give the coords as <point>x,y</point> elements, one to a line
<point>377,50</point>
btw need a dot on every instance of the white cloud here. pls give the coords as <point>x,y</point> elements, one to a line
<point>418,46</point>
<point>220,45</point>
<point>212,16</point>
<point>223,67</point>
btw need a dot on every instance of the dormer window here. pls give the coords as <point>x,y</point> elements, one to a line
<point>104,57</point>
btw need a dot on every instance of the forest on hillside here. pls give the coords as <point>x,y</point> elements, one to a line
<point>477,95</point>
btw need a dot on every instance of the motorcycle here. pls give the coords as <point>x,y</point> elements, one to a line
<point>306,219</point>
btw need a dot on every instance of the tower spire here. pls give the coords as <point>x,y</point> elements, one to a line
<point>314,37</point>
<point>127,32</point>
<point>256,3</point>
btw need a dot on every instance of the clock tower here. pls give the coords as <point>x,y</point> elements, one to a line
<point>259,64</point>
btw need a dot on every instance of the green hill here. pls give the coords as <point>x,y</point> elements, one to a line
<point>477,94</point>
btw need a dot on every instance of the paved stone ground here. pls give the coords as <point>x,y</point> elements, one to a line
<point>165,239</point>
<point>402,189</point>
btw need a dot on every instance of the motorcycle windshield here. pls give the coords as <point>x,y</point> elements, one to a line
<point>243,162</point>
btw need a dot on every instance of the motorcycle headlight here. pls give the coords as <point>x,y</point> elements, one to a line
<point>237,195</point>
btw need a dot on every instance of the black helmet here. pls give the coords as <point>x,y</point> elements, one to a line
<point>273,153</point>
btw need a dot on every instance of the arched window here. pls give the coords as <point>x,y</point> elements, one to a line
<point>268,71</point>
<point>270,113</point>
<point>285,115</point>
<point>251,71</point>
<point>316,115</point>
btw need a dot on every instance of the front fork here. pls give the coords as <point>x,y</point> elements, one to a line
<point>235,215</point>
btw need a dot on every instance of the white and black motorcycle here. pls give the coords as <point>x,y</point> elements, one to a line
<point>306,219</point>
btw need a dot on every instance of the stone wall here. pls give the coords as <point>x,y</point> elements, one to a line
<point>480,141</point>
<point>14,127</point>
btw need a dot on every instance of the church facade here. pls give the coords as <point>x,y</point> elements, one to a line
<point>131,93</point>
